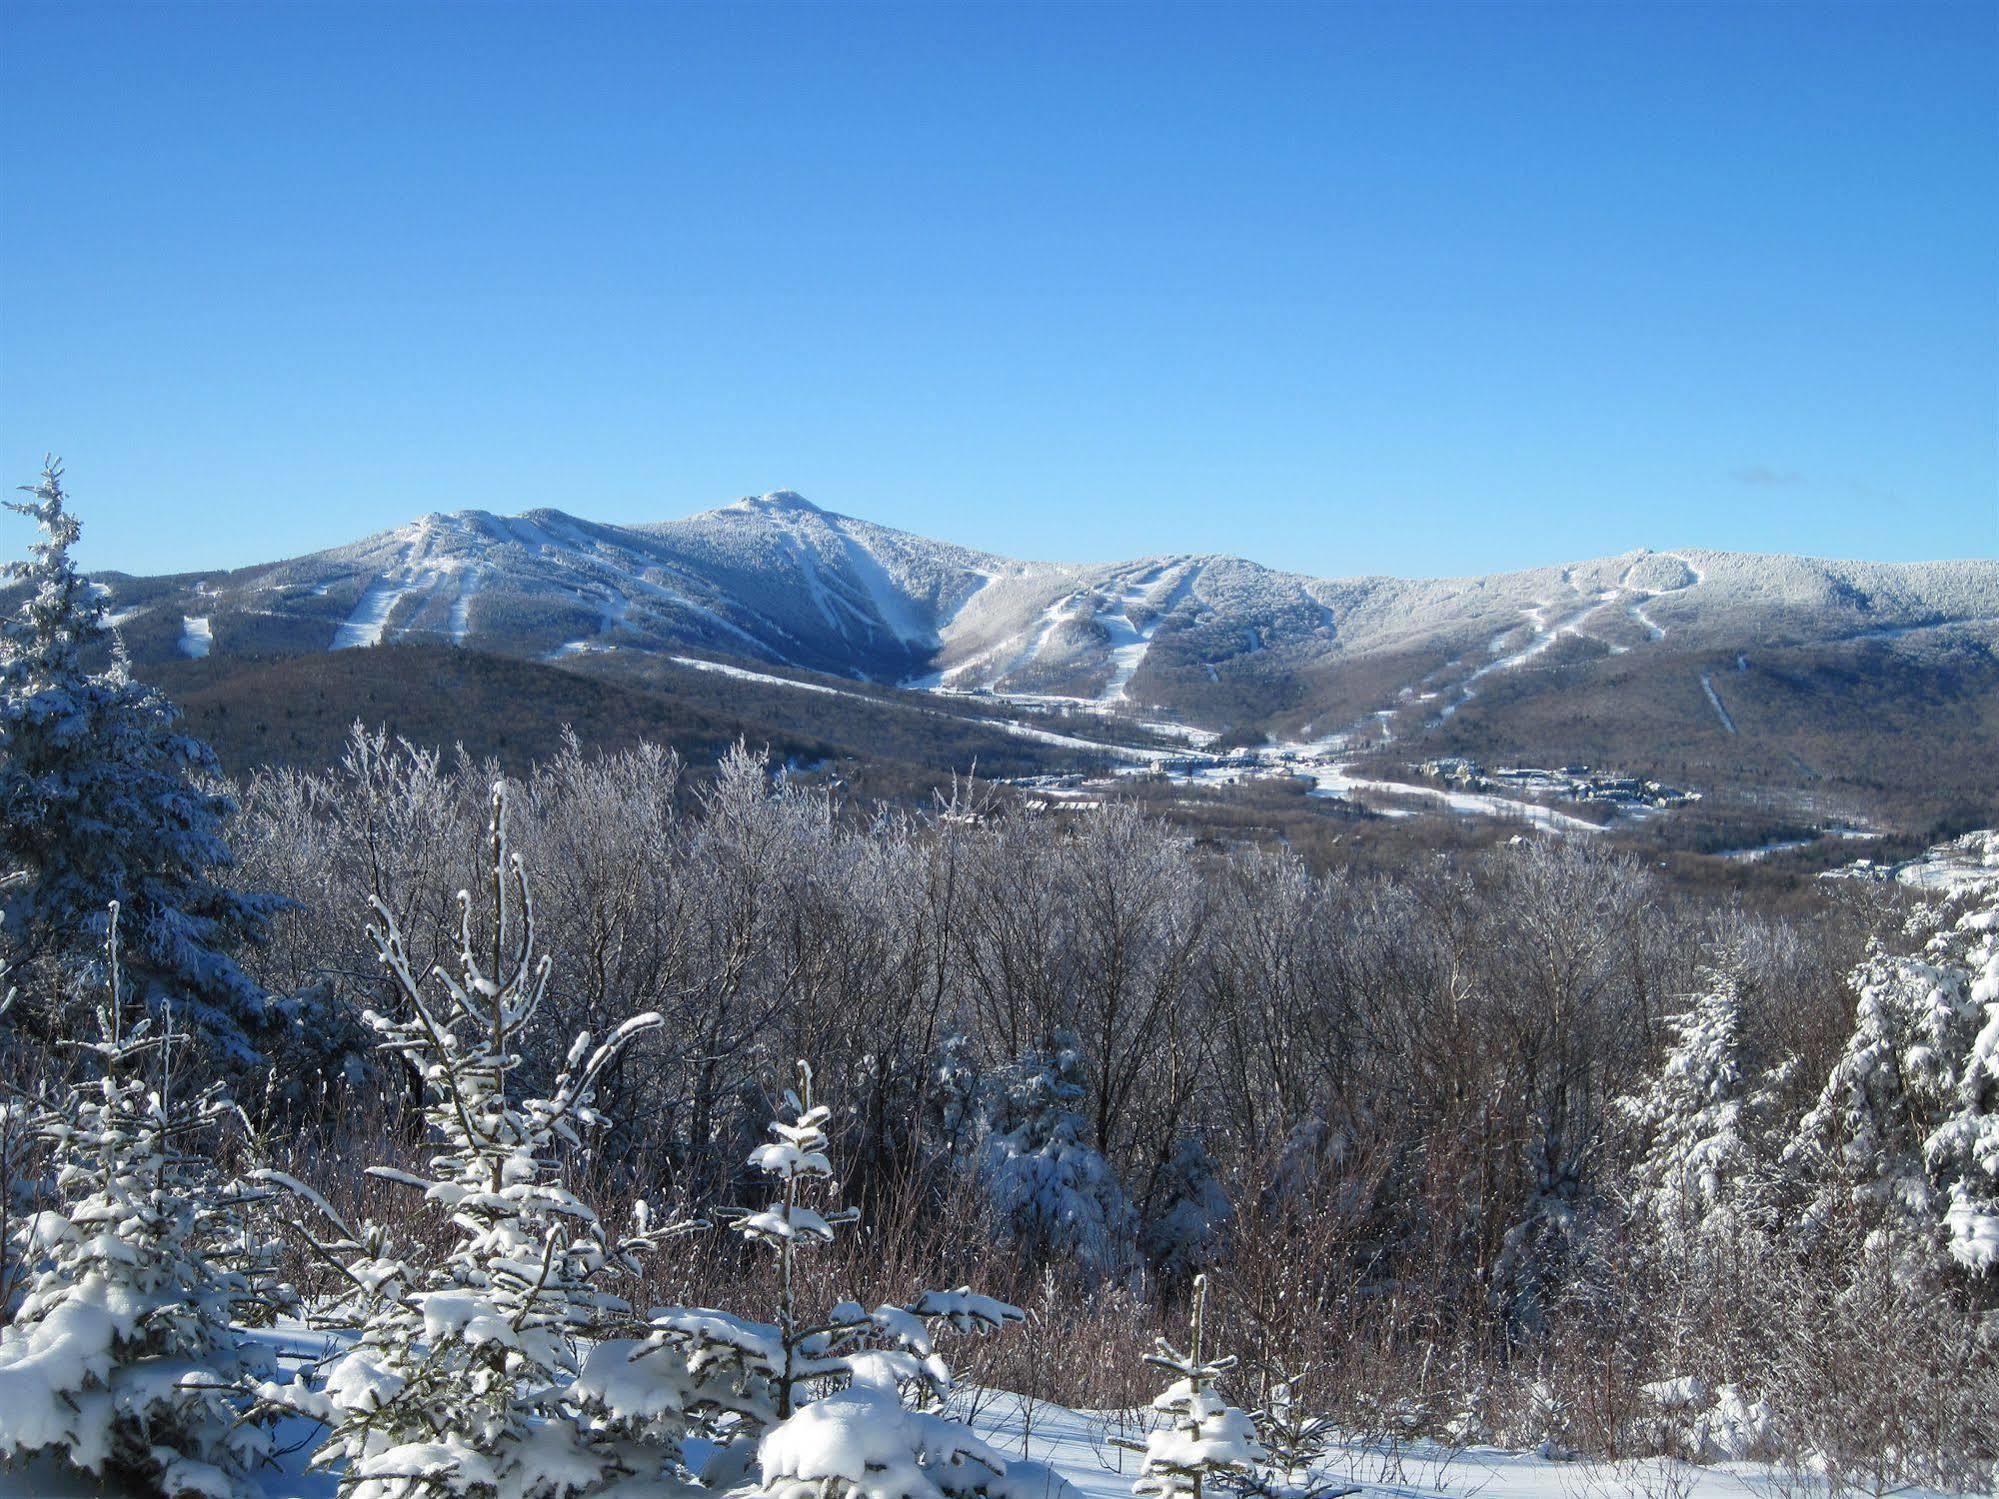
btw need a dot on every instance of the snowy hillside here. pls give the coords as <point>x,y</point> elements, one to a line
<point>773,579</point>
<point>776,579</point>
<point>1819,689</point>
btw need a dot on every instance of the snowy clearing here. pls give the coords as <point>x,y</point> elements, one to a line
<point>1077,1444</point>
<point>461,607</point>
<point>196,637</point>
<point>1130,641</point>
<point>1339,781</point>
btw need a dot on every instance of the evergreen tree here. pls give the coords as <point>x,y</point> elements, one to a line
<point>463,1378</point>
<point>1186,1234</point>
<point>1054,1192</point>
<point>1207,1445</point>
<point>122,1360</point>
<point>1905,1122</point>
<point>794,1160</point>
<point>1295,1442</point>
<point>103,798</point>
<point>877,1427</point>
<point>1963,1150</point>
<point>1700,1120</point>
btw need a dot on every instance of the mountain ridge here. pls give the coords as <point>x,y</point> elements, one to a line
<point>777,578</point>
<point>1811,684</point>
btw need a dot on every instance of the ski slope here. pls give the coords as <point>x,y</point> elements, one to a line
<point>1134,753</point>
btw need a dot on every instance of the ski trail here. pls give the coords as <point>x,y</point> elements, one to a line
<point>1024,654</point>
<point>195,636</point>
<point>1142,755</point>
<point>370,619</point>
<point>461,620</point>
<point>1131,642</point>
<point>815,586</point>
<point>1713,697</point>
<point>891,605</point>
<point>1897,632</point>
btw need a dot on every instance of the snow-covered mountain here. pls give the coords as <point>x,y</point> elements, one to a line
<point>773,579</point>
<point>1820,687</point>
<point>776,579</point>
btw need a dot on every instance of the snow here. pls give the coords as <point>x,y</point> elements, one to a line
<point>461,607</point>
<point>1652,626</point>
<point>1764,850</point>
<point>1138,753</point>
<point>195,636</point>
<point>364,627</point>
<point>1130,641</point>
<point>1338,780</point>
<point>1043,1444</point>
<point>745,674</point>
<point>1077,1445</point>
<point>1714,699</point>
<point>779,580</point>
<point>891,605</point>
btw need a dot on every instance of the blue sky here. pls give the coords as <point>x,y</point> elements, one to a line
<point>1411,288</point>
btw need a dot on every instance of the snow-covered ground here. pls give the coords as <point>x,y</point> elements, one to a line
<point>1317,761</point>
<point>1965,863</point>
<point>1714,700</point>
<point>1339,780</point>
<point>1765,850</point>
<point>461,607</point>
<point>1077,1445</point>
<point>196,637</point>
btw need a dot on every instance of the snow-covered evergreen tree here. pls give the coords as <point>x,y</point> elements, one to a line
<point>121,1359</point>
<point>794,1161</point>
<point>1206,1445</point>
<point>1700,1120</point>
<point>1052,1190</point>
<point>1905,1122</point>
<point>1187,1232</point>
<point>1309,1147</point>
<point>957,1096</point>
<point>103,798</point>
<point>462,1380</point>
<point>840,1404</point>
<point>1963,1150</point>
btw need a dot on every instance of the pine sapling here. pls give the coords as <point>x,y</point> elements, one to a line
<point>1207,1446</point>
<point>463,1380</point>
<point>848,1404</point>
<point>123,1359</point>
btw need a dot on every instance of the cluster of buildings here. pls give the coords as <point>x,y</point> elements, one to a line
<point>1577,783</point>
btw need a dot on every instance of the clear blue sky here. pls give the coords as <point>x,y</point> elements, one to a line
<point>1414,288</point>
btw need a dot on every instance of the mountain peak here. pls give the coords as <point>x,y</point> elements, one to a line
<point>780,499</point>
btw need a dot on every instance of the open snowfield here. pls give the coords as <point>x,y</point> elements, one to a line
<point>1077,1445</point>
